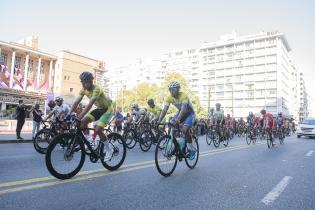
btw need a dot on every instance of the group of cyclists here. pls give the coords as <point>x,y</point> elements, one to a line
<point>100,112</point>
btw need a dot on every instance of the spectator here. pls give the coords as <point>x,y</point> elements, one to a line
<point>37,118</point>
<point>119,118</point>
<point>20,117</point>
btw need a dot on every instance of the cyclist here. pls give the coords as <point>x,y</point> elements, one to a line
<point>185,115</point>
<point>60,110</point>
<point>153,110</point>
<point>280,120</point>
<point>102,113</point>
<point>218,114</point>
<point>268,122</point>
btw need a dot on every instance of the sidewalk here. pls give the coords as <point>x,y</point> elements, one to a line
<point>11,138</point>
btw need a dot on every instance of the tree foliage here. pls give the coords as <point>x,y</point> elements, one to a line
<point>144,91</point>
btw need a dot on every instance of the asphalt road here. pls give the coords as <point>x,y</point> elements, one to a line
<point>235,177</point>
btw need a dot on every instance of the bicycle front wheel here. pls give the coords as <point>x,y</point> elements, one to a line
<point>63,158</point>
<point>165,156</point>
<point>146,140</point>
<point>247,138</point>
<point>269,140</point>
<point>209,137</point>
<point>42,139</point>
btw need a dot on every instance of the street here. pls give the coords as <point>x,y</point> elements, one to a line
<point>236,177</point>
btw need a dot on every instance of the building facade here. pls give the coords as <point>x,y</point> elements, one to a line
<point>303,99</point>
<point>246,73</point>
<point>35,76</point>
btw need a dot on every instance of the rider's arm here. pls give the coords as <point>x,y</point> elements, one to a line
<point>76,103</point>
<point>87,108</point>
<point>163,113</point>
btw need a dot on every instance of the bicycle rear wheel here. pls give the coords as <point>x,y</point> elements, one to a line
<point>247,138</point>
<point>192,163</point>
<point>63,159</point>
<point>165,156</point>
<point>118,146</point>
<point>216,140</point>
<point>42,139</point>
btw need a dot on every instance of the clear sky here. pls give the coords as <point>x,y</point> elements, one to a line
<point>119,32</point>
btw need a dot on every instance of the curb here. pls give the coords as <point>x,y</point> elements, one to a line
<point>15,141</point>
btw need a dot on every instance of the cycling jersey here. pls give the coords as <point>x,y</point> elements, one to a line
<point>218,115</point>
<point>155,110</point>
<point>102,101</point>
<point>104,110</point>
<point>179,102</point>
<point>268,120</point>
<point>228,121</point>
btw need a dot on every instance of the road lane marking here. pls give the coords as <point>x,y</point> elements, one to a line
<point>86,175</point>
<point>309,154</point>
<point>276,191</point>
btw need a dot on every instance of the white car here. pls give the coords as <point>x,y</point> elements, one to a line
<point>306,128</point>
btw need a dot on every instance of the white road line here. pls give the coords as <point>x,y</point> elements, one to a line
<point>309,153</point>
<point>276,191</point>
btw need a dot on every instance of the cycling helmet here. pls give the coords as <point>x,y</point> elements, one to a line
<point>51,104</point>
<point>280,113</point>
<point>251,114</point>
<point>150,101</point>
<point>217,104</point>
<point>263,111</point>
<point>58,98</point>
<point>85,76</point>
<point>228,115</point>
<point>134,106</point>
<point>174,85</point>
<point>143,111</point>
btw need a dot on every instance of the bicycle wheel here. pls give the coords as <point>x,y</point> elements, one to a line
<point>209,137</point>
<point>216,140</point>
<point>281,137</point>
<point>247,138</point>
<point>269,141</point>
<point>192,163</point>
<point>42,139</point>
<point>253,137</point>
<point>146,140</point>
<point>129,137</point>
<point>63,162</point>
<point>119,148</point>
<point>226,141</point>
<point>165,156</point>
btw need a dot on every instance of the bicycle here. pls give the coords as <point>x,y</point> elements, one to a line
<point>250,135</point>
<point>71,145</point>
<point>168,152</point>
<point>269,138</point>
<point>220,135</point>
<point>44,136</point>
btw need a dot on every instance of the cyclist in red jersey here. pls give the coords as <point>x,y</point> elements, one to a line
<point>268,122</point>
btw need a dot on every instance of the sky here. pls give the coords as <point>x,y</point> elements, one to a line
<point>119,32</point>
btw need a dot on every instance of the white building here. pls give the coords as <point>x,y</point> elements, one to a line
<point>246,73</point>
<point>303,99</point>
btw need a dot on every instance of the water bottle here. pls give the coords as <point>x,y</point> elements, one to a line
<point>182,143</point>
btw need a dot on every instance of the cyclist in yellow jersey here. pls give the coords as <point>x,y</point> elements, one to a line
<point>185,116</point>
<point>153,110</point>
<point>103,113</point>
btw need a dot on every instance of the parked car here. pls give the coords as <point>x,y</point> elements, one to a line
<point>306,128</point>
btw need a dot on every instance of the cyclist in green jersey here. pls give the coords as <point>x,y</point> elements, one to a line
<point>103,113</point>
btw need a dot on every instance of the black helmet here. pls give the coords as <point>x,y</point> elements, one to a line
<point>263,111</point>
<point>150,101</point>
<point>51,104</point>
<point>85,76</point>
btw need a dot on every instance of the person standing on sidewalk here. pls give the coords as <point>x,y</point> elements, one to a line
<point>37,118</point>
<point>20,117</point>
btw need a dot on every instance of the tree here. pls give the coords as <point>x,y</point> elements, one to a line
<point>144,91</point>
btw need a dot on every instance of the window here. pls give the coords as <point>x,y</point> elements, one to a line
<point>65,77</point>
<point>17,63</point>
<point>68,77</point>
<point>71,90</point>
<point>3,58</point>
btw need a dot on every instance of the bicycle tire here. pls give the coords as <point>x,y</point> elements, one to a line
<point>114,139</point>
<point>162,146</point>
<point>145,143</point>
<point>195,160</point>
<point>62,140</point>
<point>48,136</point>
<point>130,140</point>
<point>209,137</point>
